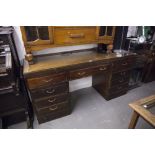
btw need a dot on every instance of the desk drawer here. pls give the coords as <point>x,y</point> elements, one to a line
<point>50,91</point>
<point>122,65</point>
<point>51,116</point>
<point>119,88</point>
<point>79,73</point>
<point>34,83</point>
<point>119,81</point>
<point>119,75</point>
<point>73,35</point>
<point>46,102</point>
<point>53,109</point>
<point>120,78</point>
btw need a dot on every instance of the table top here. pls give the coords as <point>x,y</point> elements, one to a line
<point>65,60</point>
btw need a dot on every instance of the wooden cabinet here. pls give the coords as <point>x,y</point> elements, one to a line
<point>50,96</point>
<point>117,83</point>
<point>41,37</point>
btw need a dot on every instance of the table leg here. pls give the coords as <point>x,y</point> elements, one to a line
<point>133,120</point>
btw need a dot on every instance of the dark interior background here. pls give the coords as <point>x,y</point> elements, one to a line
<point>118,37</point>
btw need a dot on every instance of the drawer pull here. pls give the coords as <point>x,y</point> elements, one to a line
<point>76,35</point>
<point>124,64</point>
<point>1,41</point>
<point>51,101</point>
<point>50,80</point>
<point>53,108</point>
<point>50,92</point>
<point>81,73</point>
<point>102,69</point>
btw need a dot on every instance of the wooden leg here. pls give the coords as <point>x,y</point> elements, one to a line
<point>133,120</point>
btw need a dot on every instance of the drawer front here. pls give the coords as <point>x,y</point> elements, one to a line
<point>119,81</point>
<point>119,88</point>
<point>122,65</point>
<point>75,35</point>
<point>34,83</point>
<point>53,109</point>
<point>120,78</point>
<point>51,116</point>
<point>47,102</point>
<point>119,75</point>
<point>88,71</point>
<point>50,91</point>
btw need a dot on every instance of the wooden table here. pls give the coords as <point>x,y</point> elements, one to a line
<point>142,108</point>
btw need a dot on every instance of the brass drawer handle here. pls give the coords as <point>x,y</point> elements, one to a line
<point>50,92</point>
<point>51,101</point>
<point>53,108</point>
<point>81,35</point>
<point>81,73</point>
<point>50,80</point>
<point>124,64</point>
<point>102,69</point>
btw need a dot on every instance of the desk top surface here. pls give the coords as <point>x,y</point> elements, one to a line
<point>65,60</point>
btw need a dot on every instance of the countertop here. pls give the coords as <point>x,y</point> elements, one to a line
<point>66,60</point>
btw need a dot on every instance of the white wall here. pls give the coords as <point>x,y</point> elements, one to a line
<point>19,43</point>
<point>74,85</point>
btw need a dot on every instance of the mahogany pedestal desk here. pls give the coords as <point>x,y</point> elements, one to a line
<point>48,79</point>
